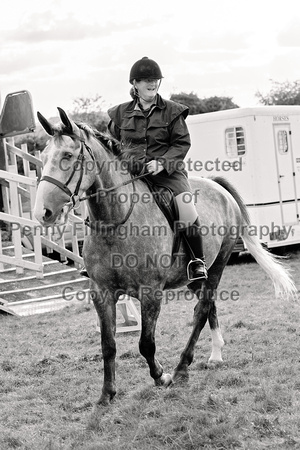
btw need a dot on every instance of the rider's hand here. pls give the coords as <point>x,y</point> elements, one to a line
<point>154,167</point>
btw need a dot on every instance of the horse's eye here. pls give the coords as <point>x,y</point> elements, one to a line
<point>67,155</point>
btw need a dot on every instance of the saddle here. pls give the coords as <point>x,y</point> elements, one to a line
<point>164,196</point>
<point>165,200</point>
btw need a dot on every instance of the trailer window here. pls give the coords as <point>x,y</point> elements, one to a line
<point>235,141</point>
<point>283,145</point>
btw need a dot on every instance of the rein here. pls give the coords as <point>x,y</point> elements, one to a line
<point>106,190</point>
<point>102,192</point>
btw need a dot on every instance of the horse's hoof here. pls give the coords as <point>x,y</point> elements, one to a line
<point>213,363</point>
<point>180,377</point>
<point>102,402</point>
<point>165,380</point>
<point>106,399</point>
<point>168,380</point>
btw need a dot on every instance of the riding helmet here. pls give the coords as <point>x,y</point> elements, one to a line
<point>145,68</point>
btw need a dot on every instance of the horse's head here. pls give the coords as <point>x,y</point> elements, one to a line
<point>65,160</point>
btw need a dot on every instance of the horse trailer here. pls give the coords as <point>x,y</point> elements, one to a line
<point>258,150</point>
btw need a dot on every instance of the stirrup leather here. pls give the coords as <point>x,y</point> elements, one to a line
<point>189,270</point>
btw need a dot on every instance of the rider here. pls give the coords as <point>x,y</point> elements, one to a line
<point>155,129</point>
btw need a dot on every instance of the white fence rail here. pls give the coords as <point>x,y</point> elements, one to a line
<point>18,194</point>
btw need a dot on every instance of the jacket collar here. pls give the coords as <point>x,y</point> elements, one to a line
<point>133,106</point>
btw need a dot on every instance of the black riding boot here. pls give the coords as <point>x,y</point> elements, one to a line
<point>197,267</point>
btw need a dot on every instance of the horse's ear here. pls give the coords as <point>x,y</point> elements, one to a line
<point>65,120</point>
<point>45,124</point>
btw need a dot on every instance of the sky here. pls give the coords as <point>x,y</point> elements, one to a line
<point>60,50</point>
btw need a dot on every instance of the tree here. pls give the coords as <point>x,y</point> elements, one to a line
<point>191,100</point>
<point>86,109</point>
<point>89,110</point>
<point>219,103</point>
<point>199,106</point>
<point>286,93</point>
<point>35,141</point>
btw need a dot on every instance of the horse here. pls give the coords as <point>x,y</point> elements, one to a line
<point>81,164</point>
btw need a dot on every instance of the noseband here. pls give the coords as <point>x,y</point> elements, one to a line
<point>64,187</point>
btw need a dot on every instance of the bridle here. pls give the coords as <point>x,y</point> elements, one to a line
<point>64,186</point>
<point>101,192</point>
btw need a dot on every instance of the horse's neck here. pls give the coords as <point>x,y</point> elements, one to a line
<point>109,208</point>
<point>131,202</point>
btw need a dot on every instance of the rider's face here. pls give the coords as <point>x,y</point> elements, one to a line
<point>147,88</point>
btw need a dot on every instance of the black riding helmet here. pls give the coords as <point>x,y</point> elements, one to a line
<point>145,68</point>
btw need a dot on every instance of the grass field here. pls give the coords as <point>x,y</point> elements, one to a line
<point>51,376</point>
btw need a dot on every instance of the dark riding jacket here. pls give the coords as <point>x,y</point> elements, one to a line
<point>160,134</point>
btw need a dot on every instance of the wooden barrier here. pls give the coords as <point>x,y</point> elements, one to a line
<point>18,193</point>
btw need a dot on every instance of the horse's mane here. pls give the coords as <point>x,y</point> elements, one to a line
<point>111,144</point>
<point>126,154</point>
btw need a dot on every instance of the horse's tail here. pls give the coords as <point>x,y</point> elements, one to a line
<point>279,274</point>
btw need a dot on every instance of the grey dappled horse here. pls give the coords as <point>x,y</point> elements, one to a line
<point>82,164</point>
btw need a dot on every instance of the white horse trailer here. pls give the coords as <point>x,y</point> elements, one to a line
<point>258,151</point>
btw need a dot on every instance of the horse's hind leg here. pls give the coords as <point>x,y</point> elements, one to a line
<point>215,273</point>
<point>150,309</point>
<point>216,336</point>
<point>201,314</point>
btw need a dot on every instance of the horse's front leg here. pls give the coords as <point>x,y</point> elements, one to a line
<point>150,309</point>
<point>106,308</point>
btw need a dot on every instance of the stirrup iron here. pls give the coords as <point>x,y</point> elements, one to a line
<point>189,270</point>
